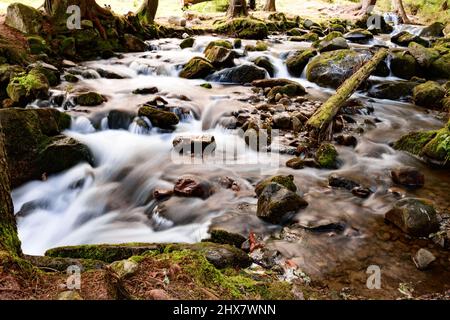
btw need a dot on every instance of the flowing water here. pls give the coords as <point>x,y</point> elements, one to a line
<point>112,202</point>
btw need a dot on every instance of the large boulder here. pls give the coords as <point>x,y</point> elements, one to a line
<point>359,36</point>
<point>285,181</point>
<point>242,74</point>
<point>327,156</point>
<point>416,217</point>
<point>192,186</point>
<point>265,63</point>
<point>35,146</point>
<point>392,90</point>
<point>197,68</point>
<point>133,43</point>
<point>24,18</point>
<point>276,202</point>
<point>429,94</point>
<point>159,118</point>
<point>220,57</point>
<point>404,38</point>
<point>435,29</point>
<point>331,69</point>
<point>244,28</point>
<point>440,68</point>
<point>297,61</point>
<point>403,65</point>
<point>424,56</point>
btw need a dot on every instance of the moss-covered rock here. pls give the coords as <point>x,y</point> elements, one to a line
<point>429,94</point>
<point>359,36</point>
<point>159,118</point>
<point>242,74</point>
<point>133,43</point>
<point>49,71</point>
<point>37,45</point>
<point>222,236</point>
<point>197,68</point>
<point>220,57</point>
<point>187,43</point>
<point>24,88</point>
<point>259,46</point>
<point>276,202</point>
<point>290,90</point>
<point>424,56</point>
<point>331,69</point>
<point>286,181</point>
<point>440,68</point>
<point>416,217</point>
<point>308,37</point>
<point>404,38</point>
<point>67,47</point>
<point>24,18</point>
<point>392,90</point>
<point>34,144</point>
<point>436,29</point>
<point>244,28</point>
<point>265,63</point>
<point>403,65</point>
<point>327,156</point>
<point>297,61</point>
<point>7,72</point>
<point>90,99</point>
<point>218,43</point>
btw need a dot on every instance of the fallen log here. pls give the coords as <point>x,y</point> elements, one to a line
<point>321,119</point>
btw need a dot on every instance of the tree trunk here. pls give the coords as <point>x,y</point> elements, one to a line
<point>320,120</point>
<point>270,6</point>
<point>367,6</point>
<point>238,8</point>
<point>400,9</point>
<point>89,10</point>
<point>9,240</point>
<point>147,12</point>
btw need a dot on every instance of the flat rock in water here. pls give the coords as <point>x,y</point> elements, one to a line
<point>408,176</point>
<point>194,144</point>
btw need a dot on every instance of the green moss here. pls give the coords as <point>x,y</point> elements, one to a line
<point>332,35</point>
<point>326,156</point>
<point>90,99</point>
<point>439,147</point>
<point>187,43</point>
<point>225,237</point>
<point>244,28</point>
<point>37,45</point>
<point>106,253</point>
<point>297,61</point>
<point>206,85</point>
<point>27,87</point>
<point>428,94</point>
<point>286,181</point>
<point>260,46</point>
<point>218,43</point>
<point>415,141</point>
<point>197,68</point>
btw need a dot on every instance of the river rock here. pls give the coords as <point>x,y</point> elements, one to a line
<point>120,119</point>
<point>408,176</point>
<point>197,68</point>
<point>187,43</point>
<point>346,140</point>
<point>221,57</point>
<point>440,67</point>
<point>192,186</point>
<point>148,90</point>
<point>285,181</point>
<point>282,120</point>
<point>338,181</point>
<point>194,144</point>
<point>34,144</point>
<point>416,217</point>
<point>423,259</point>
<point>404,38</point>
<point>276,202</point>
<point>338,43</point>
<point>435,29</point>
<point>218,43</point>
<point>90,99</point>
<point>359,36</point>
<point>243,74</point>
<point>429,95</point>
<point>392,90</point>
<point>24,18</point>
<point>297,61</point>
<point>159,118</point>
<point>124,268</point>
<point>133,43</point>
<point>25,88</point>
<point>424,56</point>
<point>331,69</point>
<point>264,62</point>
<point>403,65</point>
<point>326,156</point>
<point>225,236</point>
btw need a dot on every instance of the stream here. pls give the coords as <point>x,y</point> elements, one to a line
<point>112,202</point>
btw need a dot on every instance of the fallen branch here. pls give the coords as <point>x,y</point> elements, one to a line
<point>321,119</point>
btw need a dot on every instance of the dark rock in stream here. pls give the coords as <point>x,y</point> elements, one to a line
<point>90,99</point>
<point>435,29</point>
<point>243,74</point>
<point>194,144</point>
<point>276,202</point>
<point>159,118</point>
<point>149,90</point>
<point>404,38</point>
<point>192,186</point>
<point>416,217</point>
<point>120,119</point>
<point>392,90</point>
<point>286,181</point>
<point>408,176</point>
